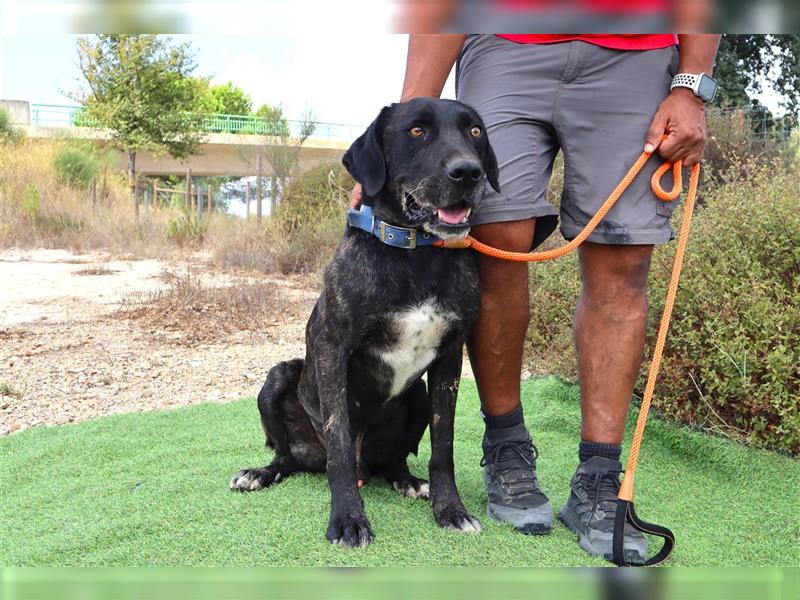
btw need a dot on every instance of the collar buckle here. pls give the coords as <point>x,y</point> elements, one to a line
<point>412,239</point>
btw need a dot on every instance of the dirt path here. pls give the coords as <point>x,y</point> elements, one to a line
<point>67,355</point>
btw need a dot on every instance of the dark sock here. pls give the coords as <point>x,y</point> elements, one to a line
<point>588,450</point>
<point>504,421</point>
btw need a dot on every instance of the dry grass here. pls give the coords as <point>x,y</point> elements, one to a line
<point>269,249</point>
<point>9,391</point>
<point>36,210</point>
<point>201,313</point>
<point>100,268</point>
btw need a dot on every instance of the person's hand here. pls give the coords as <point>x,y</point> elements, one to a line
<point>355,196</point>
<point>681,116</point>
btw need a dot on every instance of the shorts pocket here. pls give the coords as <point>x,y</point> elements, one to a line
<point>665,209</point>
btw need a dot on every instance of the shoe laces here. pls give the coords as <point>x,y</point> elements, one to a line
<point>514,455</point>
<point>605,488</point>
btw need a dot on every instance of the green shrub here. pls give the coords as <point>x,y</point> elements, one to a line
<point>313,196</point>
<point>8,133</point>
<point>732,359</point>
<point>74,166</point>
<point>188,229</point>
<point>734,142</point>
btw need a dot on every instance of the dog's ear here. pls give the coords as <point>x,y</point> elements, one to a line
<point>490,166</point>
<point>364,158</point>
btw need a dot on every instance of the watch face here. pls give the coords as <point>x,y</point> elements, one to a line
<point>707,88</point>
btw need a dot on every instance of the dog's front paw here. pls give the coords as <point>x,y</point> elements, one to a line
<point>352,531</point>
<point>456,517</point>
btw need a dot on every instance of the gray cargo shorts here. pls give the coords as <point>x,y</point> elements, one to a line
<point>593,103</point>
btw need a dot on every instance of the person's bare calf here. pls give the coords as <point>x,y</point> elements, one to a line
<point>610,322</point>
<point>497,341</point>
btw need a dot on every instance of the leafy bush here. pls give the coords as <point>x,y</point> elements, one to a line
<point>314,195</point>
<point>188,229</point>
<point>734,139</point>
<point>301,236</point>
<point>732,360</point>
<point>74,166</point>
<point>8,133</point>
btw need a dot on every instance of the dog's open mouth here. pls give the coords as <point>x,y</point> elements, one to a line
<point>456,214</point>
<point>453,215</point>
<point>447,222</point>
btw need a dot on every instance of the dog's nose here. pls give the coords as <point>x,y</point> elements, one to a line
<point>464,170</point>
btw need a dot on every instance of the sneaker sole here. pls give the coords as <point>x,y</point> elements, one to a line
<point>527,528</point>
<point>571,521</point>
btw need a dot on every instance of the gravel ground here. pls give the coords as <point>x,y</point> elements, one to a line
<point>67,355</point>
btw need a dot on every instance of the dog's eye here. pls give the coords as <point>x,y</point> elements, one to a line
<point>475,132</point>
<point>417,131</point>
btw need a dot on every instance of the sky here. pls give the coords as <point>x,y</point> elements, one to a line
<point>342,78</point>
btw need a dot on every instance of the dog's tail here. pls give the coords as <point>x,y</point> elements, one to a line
<point>282,379</point>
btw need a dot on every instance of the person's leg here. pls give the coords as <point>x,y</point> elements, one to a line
<point>610,327</point>
<point>610,322</point>
<point>497,340</point>
<point>601,124</point>
<point>495,350</point>
<point>513,87</point>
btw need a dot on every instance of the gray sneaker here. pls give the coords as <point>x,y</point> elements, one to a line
<point>591,507</point>
<point>509,471</point>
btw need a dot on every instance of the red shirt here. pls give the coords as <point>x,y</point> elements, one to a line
<point>616,42</point>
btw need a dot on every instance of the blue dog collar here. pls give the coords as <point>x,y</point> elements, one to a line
<point>391,235</point>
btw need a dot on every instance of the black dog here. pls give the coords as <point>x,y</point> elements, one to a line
<point>357,405</point>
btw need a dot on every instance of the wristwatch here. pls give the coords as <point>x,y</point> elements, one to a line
<point>704,86</point>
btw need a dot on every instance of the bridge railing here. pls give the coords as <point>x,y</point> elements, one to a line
<point>54,115</point>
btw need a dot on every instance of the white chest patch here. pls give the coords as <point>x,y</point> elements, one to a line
<point>419,331</point>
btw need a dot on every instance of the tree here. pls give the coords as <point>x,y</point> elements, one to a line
<point>139,88</point>
<point>225,99</point>
<point>281,148</point>
<point>745,61</point>
<point>274,119</point>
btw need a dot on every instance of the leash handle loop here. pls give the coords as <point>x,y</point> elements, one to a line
<point>627,514</point>
<point>677,181</point>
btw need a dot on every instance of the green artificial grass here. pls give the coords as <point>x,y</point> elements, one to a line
<point>152,489</point>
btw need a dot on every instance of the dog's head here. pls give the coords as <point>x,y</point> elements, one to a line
<point>422,163</point>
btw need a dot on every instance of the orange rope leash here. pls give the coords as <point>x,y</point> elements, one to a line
<point>661,194</point>
<point>626,491</point>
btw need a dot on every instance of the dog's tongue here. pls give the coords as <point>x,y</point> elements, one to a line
<point>453,214</point>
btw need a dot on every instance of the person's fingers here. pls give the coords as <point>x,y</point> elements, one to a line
<point>355,196</point>
<point>672,148</point>
<point>683,143</point>
<point>691,159</point>
<point>655,132</point>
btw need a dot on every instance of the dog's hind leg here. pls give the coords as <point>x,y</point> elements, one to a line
<point>248,480</point>
<point>277,395</point>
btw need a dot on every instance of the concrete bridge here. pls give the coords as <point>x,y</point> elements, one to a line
<point>230,149</point>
